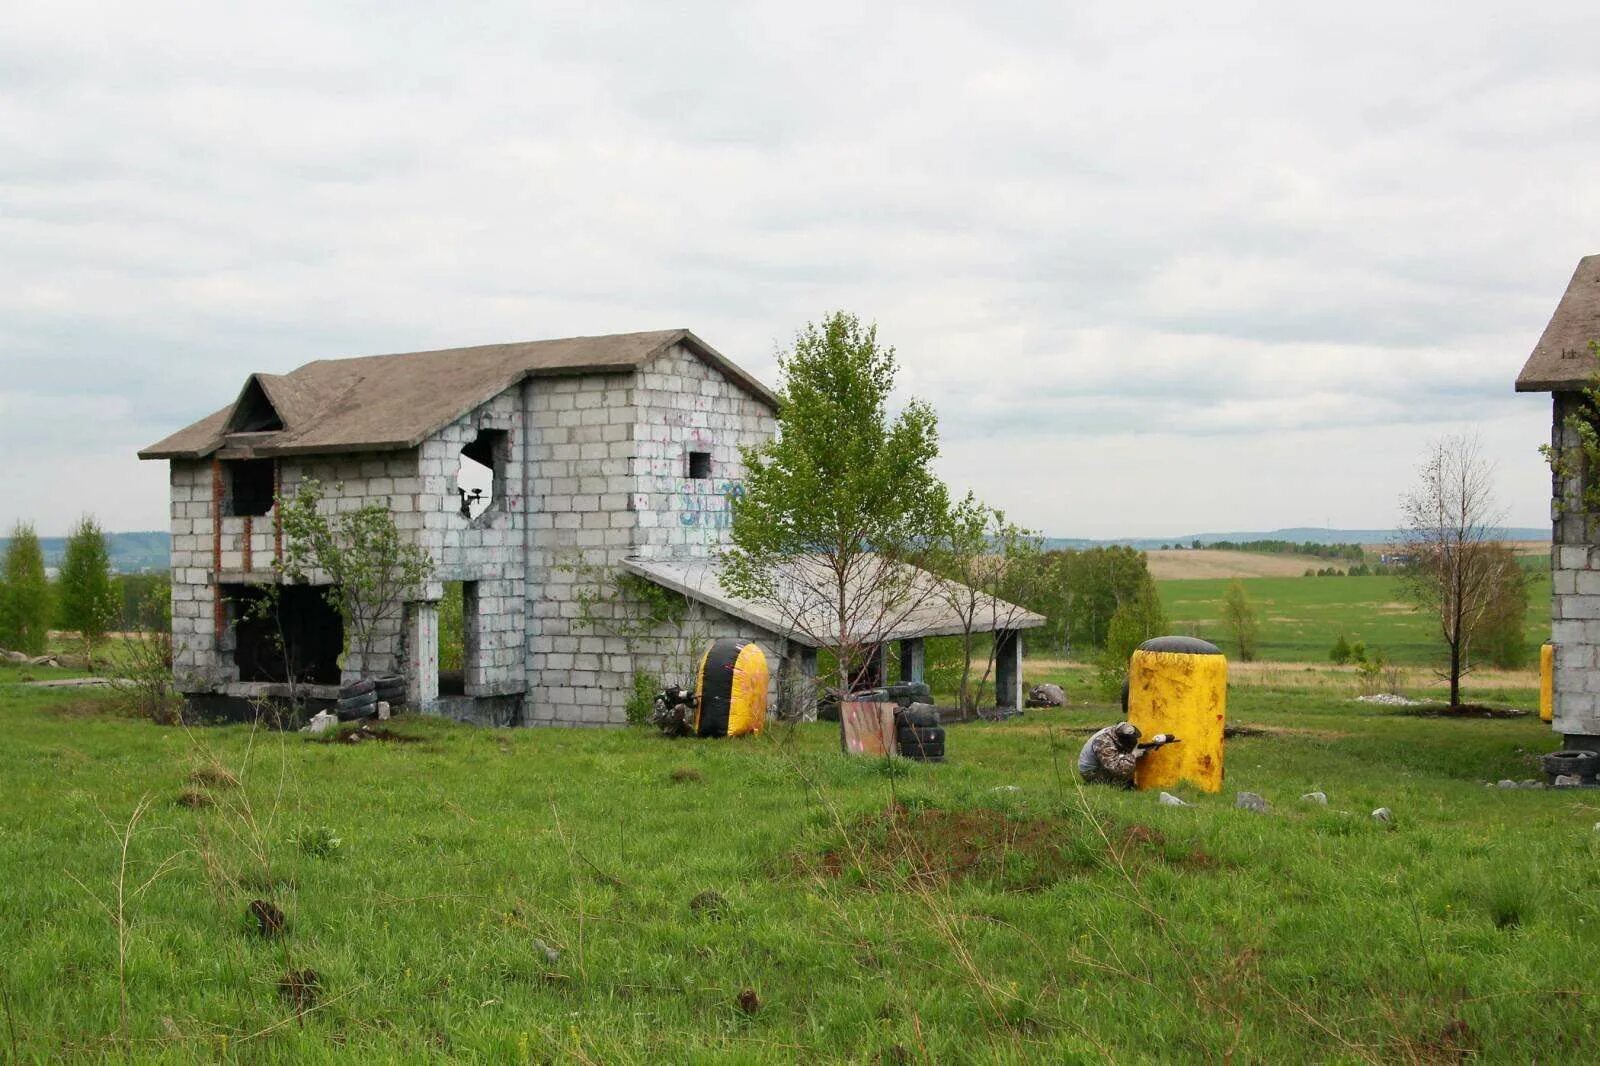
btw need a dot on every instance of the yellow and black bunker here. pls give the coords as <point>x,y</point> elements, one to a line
<point>1179,685</point>
<point>733,689</point>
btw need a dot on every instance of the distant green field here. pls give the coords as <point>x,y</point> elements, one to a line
<point>1301,616</point>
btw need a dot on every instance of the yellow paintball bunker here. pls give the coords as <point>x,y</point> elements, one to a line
<point>1179,685</point>
<point>1547,682</point>
<point>733,689</point>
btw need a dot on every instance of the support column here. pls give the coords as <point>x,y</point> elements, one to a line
<point>913,659</point>
<point>797,688</point>
<point>1008,668</point>
<point>422,656</point>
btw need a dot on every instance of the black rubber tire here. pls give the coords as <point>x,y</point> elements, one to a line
<point>357,688</point>
<point>920,715</point>
<point>356,713</point>
<point>924,742</point>
<point>356,703</point>
<point>1581,762</point>
<point>391,690</point>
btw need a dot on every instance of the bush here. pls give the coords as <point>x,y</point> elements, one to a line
<point>643,698</point>
<point>1135,622</point>
<point>1340,652</point>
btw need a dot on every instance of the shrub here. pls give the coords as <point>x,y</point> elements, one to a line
<point>1340,652</point>
<point>643,698</point>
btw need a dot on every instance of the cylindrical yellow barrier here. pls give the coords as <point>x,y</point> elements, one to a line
<point>1547,682</point>
<point>1179,685</point>
<point>733,689</point>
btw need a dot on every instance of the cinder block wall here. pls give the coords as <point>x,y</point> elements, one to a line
<point>1575,581</point>
<point>209,546</point>
<point>608,479</point>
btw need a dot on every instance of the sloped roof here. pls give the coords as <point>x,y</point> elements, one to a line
<point>1562,359</point>
<point>932,615</point>
<point>385,402</point>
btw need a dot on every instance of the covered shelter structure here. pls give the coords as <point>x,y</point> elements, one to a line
<point>903,610</point>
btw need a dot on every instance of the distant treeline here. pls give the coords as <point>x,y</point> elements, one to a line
<point>1349,552</point>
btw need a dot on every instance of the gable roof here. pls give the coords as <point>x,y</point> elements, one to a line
<point>387,402</point>
<point>1562,361</point>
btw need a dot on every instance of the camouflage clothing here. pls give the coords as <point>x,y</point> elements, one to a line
<point>1101,762</point>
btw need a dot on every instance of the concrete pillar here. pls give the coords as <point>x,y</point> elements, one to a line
<point>913,659</point>
<point>1008,668</point>
<point>797,684</point>
<point>422,656</point>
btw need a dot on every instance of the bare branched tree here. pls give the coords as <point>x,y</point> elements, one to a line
<point>1451,528</point>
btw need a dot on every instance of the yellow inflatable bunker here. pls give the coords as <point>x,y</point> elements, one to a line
<point>1179,685</point>
<point>733,690</point>
<point>1547,682</point>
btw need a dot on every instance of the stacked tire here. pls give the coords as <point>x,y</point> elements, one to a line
<point>360,699</point>
<point>919,734</point>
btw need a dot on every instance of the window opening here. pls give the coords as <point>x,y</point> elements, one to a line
<point>700,466</point>
<point>249,485</point>
<point>303,637</point>
<point>480,477</point>
<point>458,629</point>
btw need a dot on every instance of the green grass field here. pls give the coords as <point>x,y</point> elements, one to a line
<point>513,896</point>
<point>1301,617</point>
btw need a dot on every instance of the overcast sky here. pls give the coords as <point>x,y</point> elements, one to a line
<point>1160,268</point>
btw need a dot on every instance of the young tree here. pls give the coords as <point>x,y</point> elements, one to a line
<point>89,598</point>
<point>842,502</point>
<point>1133,623</point>
<point>1239,616</point>
<point>1450,526</point>
<point>24,593</point>
<point>990,568</point>
<point>1093,584</point>
<point>370,568</point>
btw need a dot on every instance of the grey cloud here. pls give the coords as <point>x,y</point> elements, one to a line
<point>1220,224</point>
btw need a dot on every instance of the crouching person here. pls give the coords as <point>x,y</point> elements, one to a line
<point>1111,755</point>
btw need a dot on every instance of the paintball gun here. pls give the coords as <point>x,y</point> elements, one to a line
<point>1160,740</point>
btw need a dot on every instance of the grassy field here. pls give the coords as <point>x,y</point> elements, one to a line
<point>1302,616</point>
<point>541,895</point>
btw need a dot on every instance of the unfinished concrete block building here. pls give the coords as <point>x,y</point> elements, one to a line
<point>1563,363</point>
<point>593,457</point>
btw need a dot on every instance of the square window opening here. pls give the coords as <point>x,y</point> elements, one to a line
<point>700,466</point>
<point>249,486</point>
<point>302,638</point>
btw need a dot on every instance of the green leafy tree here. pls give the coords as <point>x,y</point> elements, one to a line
<point>840,505</point>
<point>1087,588</point>
<point>1133,623</point>
<point>89,597</point>
<point>1239,616</point>
<point>1339,654</point>
<point>24,593</point>
<point>370,568</point>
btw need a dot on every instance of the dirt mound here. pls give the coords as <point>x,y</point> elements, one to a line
<point>1465,710</point>
<point>365,733</point>
<point>901,848</point>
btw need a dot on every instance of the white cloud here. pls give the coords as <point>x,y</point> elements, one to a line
<point>1289,244</point>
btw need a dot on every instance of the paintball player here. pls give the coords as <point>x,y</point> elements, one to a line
<point>1110,756</point>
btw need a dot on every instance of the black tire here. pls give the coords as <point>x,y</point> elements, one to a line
<point>355,714</point>
<point>356,703</point>
<point>1583,763</point>
<point>919,715</point>
<point>357,688</point>
<point>921,742</point>
<point>391,689</point>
